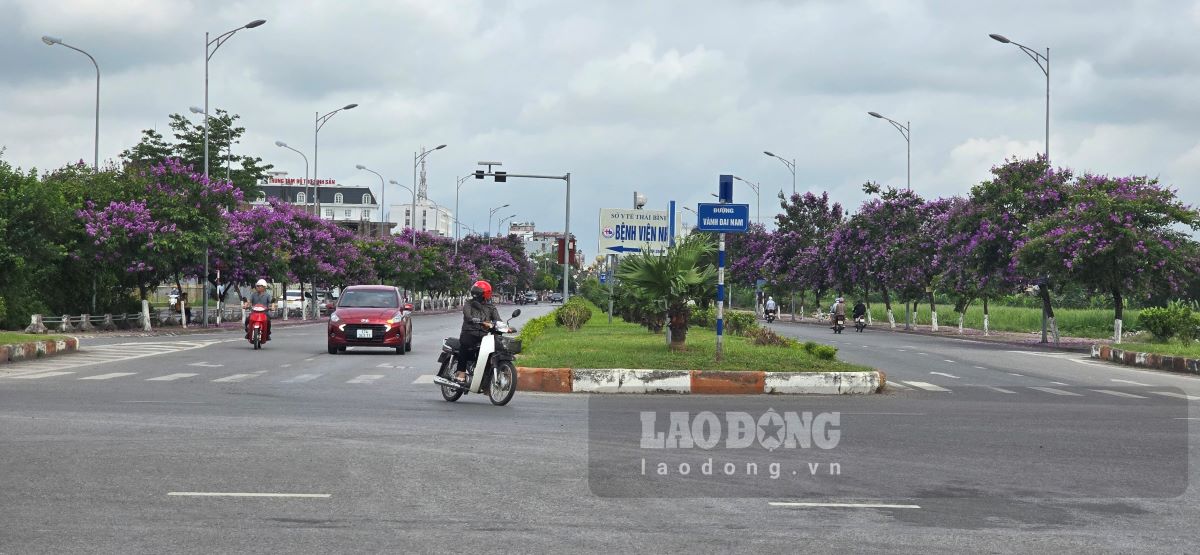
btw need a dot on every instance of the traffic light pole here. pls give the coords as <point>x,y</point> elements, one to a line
<point>501,176</point>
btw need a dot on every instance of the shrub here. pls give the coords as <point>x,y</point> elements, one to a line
<point>1174,320</point>
<point>702,317</point>
<point>740,323</point>
<point>768,338</point>
<point>535,328</point>
<point>574,313</point>
<point>3,310</point>
<point>824,352</point>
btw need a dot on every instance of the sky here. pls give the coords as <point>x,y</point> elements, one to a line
<point>654,96</point>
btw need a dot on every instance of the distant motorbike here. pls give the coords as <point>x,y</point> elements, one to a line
<point>860,323</point>
<point>257,329</point>
<point>839,323</point>
<point>493,371</point>
<point>770,315</point>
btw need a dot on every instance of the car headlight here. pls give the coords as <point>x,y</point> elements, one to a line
<point>334,318</point>
<point>396,318</point>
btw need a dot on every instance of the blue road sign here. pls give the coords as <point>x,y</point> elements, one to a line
<point>723,218</point>
<point>603,278</point>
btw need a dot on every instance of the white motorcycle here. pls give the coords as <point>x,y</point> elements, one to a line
<point>493,372</point>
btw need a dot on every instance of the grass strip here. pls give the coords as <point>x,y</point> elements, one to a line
<point>10,338</point>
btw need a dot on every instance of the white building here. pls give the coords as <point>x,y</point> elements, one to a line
<point>339,203</point>
<point>431,217</point>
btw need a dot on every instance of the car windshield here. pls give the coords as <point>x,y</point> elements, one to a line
<point>369,299</point>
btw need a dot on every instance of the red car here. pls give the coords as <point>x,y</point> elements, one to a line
<point>370,316</point>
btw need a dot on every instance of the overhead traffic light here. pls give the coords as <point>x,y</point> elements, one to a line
<point>501,177</point>
<point>479,174</point>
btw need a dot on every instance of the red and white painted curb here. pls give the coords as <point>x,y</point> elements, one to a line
<point>699,382</point>
<point>37,349</point>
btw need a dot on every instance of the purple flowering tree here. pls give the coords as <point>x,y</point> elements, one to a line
<point>1120,236</point>
<point>126,237</point>
<point>803,230</point>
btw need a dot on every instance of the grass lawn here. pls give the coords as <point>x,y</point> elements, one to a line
<point>10,337</point>
<point>1074,322</point>
<point>622,345</point>
<point>1171,349</point>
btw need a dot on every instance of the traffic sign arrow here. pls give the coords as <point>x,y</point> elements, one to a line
<point>622,248</point>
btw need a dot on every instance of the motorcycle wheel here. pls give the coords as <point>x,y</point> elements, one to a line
<point>503,385</point>
<point>450,394</point>
<point>256,340</point>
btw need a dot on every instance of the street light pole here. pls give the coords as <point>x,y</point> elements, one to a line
<point>458,188</point>
<point>905,130</point>
<point>383,192</point>
<point>417,157</point>
<point>51,41</point>
<point>306,199</point>
<point>319,122</point>
<point>413,217</point>
<point>491,213</point>
<point>1037,58</point>
<point>757,198</point>
<point>500,224</point>
<point>791,166</point>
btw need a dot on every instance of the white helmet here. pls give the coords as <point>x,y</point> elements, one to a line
<point>770,298</point>
<point>261,282</point>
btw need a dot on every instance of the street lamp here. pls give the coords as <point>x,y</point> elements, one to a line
<point>210,48</point>
<point>1038,58</point>
<point>51,41</point>
<point>285,145</point>
<point>500,224</point>
<point>417,157</point>
<point>319,122</point>
<point>906,131</point>
<point>383,192</point>
<point>458,188</point>
<point>491,213</point>
<point>757,197</point>
<point>228,147</point>
<point>791,166</point>
<point>413,217</point>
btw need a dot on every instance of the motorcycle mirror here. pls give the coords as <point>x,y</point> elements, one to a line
<point>516,313</point>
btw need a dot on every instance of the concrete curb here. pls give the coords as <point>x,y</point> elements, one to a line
<point>37,349</point>
<point>1183,365</point>
<point>699,382</point>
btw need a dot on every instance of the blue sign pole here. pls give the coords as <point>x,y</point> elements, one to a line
<point>671,215</point>
<point>726,196</point>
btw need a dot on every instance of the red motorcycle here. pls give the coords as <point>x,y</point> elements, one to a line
<point>258,328</point>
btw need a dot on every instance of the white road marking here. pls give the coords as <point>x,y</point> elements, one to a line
<point>172,377</point>
<point>1130,382</point>
<point>1176,395</point>
<point>980,368</point>
<point>1060,383</point>
<point>948,360</point>
<point>1189,418</point>
<point>240,377</point>
<point>866,346</point>
<point>206,365</point>
<point>1016,374</point>
<point>846,505</point>
<point>926,386</point>
<point>923,354</point>
<point>366,378</point>
<point>944,374</point>
<point>902,350</point>
<point>892,383</point>
<point>109,376</point>
<point>1056,391</point>
<point>1000,389</point>
<point>285,365</point>
<point>40,375</point>
<point>303,378</point>
<point>1118,393</point>
<point>103,354</point>
<point>428,378</point>
<point>243,494</point>
<point>310,359</point>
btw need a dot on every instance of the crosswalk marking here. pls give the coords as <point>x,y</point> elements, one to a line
<point>1053,391</point>
<point>237,377</point>
<point>1177,395</point>
<point>892,383</point>
<point>108,376</point>
<point>103,354</point>
<point>172,377</point>
<point>1001,389</point>
<point>39,375</point>
<point>366,378</point>
<point>424,378</point>
<point>925,385</point>
<point>1118,393</point>
<point>302,378</point>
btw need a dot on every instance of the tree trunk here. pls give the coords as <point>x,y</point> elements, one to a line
<point>1047,310</point>
<point>933,322</point>
<point>1118,304</point>
<point>985,315</point>
<point>679,327</point>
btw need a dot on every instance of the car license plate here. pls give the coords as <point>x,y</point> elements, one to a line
<point>365,334</point>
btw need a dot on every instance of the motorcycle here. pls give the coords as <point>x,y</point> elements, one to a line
<point>493,372</point>
<point>839,323</point>
<point>257,329</point>
<point>860,323</point>
<point>770,315</point>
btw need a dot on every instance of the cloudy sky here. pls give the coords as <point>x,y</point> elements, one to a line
<point>656,96</point>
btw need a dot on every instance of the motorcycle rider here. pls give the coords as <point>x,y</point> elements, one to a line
<point>770,305</point>
<point>479,314</point>
<point>260,295</point>
<point>860,309</point>
<point>839,310</point>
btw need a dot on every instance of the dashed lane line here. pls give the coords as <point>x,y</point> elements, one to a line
<point>925,385</point>
<point>1118,393</point>
<point>1001,390</point>
<point>108,376</point>
<point>366,378</point>
<point>1053,391</point>
<point>172,377</point>
<point>39,375</point>
<point>428,378</point>
<point>1177,395</point>
<point>303,378</point>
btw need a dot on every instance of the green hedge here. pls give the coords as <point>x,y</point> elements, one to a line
<point>574,313</point>
<point>1176,320</point>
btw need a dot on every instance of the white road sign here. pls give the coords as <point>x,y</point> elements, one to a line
<point>624,231</point>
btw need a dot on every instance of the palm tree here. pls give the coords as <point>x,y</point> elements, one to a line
<point>683,273</point>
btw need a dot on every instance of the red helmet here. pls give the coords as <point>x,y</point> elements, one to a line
<point>482,288</point>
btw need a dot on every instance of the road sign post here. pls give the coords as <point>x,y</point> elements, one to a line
<point>723,217</point>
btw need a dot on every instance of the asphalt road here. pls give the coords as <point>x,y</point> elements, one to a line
<point>977,449</point>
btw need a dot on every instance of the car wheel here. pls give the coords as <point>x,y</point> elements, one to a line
<point>333,350</point>
<point>341,349</point>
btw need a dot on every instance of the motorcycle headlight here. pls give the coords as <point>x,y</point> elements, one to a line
<point>334,318</point>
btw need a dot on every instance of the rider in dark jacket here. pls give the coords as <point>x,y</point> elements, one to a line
<point>479,314</point>
<point>860,310</point>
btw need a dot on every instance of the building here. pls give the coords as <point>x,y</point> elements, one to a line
<point>431,217</point>
<point>350,206</point>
